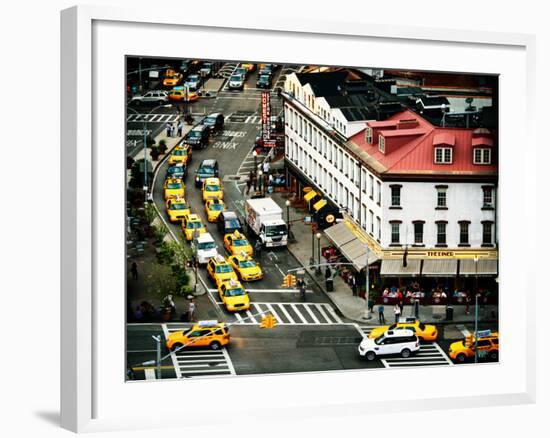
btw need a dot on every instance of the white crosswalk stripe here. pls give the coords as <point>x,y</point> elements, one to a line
<point>287,314</point>
<point>250,120</point>
<point>152,118</point>
<point>198,362</point>
<point>429,354</point>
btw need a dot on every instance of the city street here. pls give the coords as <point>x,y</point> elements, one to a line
<point>309,336</point>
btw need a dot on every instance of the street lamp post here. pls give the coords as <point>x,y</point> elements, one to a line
<point>255,155</point>
<point>312,258</point>
<point>287,203</point>
<point>476,312</point>
<point>318,269</point>
<point>145,188</point>
<point>367,310</point>
<point>260,177</point>
<point>159,360</point>
<point>196,235</point>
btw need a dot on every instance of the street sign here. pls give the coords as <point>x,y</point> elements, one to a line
<point>154,74</point>
<point>266,115</point>
<point>483,333</point>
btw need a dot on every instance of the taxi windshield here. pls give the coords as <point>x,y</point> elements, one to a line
<point>212,188</point>
<point>194,225</point>
<point>175,169</point>
<point>173,186</point>
<point>216,207</point>
<point>235,292</point>
<point>247,264</point>
<point>240,242</point>
<point>179,206</point>
<point>180,152</point>
<point>224,269</point>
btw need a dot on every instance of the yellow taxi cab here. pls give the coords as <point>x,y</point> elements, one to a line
<point>249,67</point>
<point>487,347</point>
<point>213,208</point>
<point>233,295</point>
<point>425,332</point>
<point>182,96</point>
<point>236,243</point>
<point>190,224</point>
<point>174,187</point>
<point>177,209</point>
<point>212,189</point>
<point>246,267</point>
<point>208,333</point>
<point>172,81</point>
<point>180,154</point>
<point>220,270</point>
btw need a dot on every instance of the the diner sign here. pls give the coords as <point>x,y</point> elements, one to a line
<point>440,254</point>
<point>266,110</point>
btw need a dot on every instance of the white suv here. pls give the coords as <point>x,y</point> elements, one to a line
<point>151,97</point>
<point>206,248</point>
<point>403,342</point>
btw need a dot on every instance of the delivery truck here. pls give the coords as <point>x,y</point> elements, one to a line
<point>264,218</point>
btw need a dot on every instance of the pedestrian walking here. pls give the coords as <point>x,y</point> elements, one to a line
<point>302,287</point>
<point>371,304</point>
<point>381,318</point>
<point>265,167</point>
<point>249,182</point>
<point>397,312</point>
<point>353,284</point>
<point>400,300</point>
<point>468,300</point>
<point>191,310</point>
<point>168,130</point>
<point>258,248</point>
<point>134,271</point>
<point>180,128</point>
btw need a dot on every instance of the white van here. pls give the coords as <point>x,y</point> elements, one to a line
<point>400,341</point>
<point>206,248</point>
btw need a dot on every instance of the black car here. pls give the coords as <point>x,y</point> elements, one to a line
<point>264,81</point>
<point>198,137</point>
<point>214,122</point>
<point>176,171</point>
<point>266,70</point>
<point>228,223</point>
<point>207,169</point>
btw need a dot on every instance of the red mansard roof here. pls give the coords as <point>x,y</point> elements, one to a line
<point>416,156</point>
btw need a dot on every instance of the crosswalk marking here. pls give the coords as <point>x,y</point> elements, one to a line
<point>272,310</point>
<point>156,118</point>
<point>312,315</point>
<point>251,317</point>
<point>287,315</point>
<point>150,374</point>
<point>198,362</point>
<point>429,354</point>
<point>322,311</point>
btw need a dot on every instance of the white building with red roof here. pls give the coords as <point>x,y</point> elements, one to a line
<point>405,185</point>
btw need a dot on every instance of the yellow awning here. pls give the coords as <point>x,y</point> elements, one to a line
<point>310,195</point>
<point>320,204</point>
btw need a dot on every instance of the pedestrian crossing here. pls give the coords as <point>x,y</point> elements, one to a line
<point>429,353</point>
<point>152,118</point>
<point>286,314</point>
<point>248,164</point>
<point>198,362</point>
<point>242,118</point>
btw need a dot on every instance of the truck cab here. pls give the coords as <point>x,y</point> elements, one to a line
<point>274,233</point>
<point>264,217</point>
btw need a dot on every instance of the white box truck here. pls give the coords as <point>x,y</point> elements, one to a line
<point>264,218</point>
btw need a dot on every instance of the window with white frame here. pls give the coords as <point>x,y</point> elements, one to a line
<point>363,217</point>
<point>378,193</point>
<point>364,180</point>
<point>371,222</point>
<point>395,228</point>
<point>381,144</point>
<point>487,196</point>
<point>441,196</point>
<point>368,135</point>
<point>443,155</point>
<point>371,186</point>
<point>378,228</point>
<point>482,156</point>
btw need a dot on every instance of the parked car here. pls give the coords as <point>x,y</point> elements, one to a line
<point>178,170</point>
<point>392,342</point>
<point>193,82</point>
<point>267,69</point>
<point>264,81</point>
<point>228,223</point>
<point>151,97</point>
<point>207,169</point>
<point>236,82</point>
<point>241,71</point>
<point>215,122</point>
<point>206,69</point>
<point>198,137</point>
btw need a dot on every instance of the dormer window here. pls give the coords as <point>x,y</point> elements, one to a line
<point>443,155</point>
<point>482,156</point>
<point>368,135</point>
<point>381,144</point>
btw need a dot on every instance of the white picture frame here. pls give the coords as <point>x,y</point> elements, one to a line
<point>94,395</point>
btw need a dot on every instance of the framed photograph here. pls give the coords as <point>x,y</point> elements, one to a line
<point>296,231</point>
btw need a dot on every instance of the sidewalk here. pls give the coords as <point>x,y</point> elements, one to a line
<point>354,307</point>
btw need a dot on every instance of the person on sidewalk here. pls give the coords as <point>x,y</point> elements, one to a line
<point>397,312</point>
<point>353,284</point>
<point>180,128</point>
<point>381,318</point>
<point>168,130</point>
<point>249,182</point>
<point>265,167</point>
<point>467,300</point>
<point>134,271</point>
<point>191,310</point>
<point>400,300</point>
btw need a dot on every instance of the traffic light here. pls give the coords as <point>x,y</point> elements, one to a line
<point>289,280</point>
<point>268,321</point>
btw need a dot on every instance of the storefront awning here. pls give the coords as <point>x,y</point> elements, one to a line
<point>485,267</point>
<point>349,245</point>
<point>319,204</point>
<point>439,268</point>
<point>310,195</point>
<point>356,252</point>
<point>395,268</point>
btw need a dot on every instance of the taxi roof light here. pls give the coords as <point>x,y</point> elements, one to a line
<point>219,258</point>
<point>208,323</point>
<point>233,282</point>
